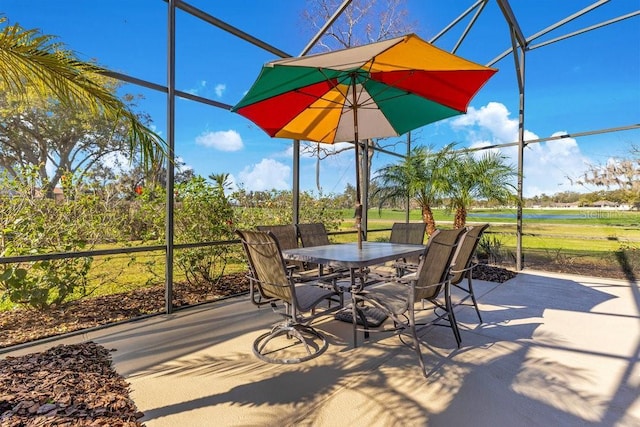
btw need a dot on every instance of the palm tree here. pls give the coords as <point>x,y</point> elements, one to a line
<point>470,178</point>
<point>32,64</point>
<point>221,181</point>
<point>418,177</point>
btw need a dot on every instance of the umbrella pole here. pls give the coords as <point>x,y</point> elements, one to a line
<point>357,155</point>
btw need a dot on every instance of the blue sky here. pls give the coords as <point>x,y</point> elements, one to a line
<point>585,83</point>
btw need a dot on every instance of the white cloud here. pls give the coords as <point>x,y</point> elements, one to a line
<point>200,86</point>
<point>549,167</point>
<point>267,175</point>
<point>117,161</point>
<point>229,140</point>
<point>494,117</point>
<point>287,153</point>
<point>182,166</point>
<point>219,89</point>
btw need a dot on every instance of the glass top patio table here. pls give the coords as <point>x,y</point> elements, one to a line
<point>348,255</point>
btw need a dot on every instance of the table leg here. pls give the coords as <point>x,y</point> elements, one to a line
<point>354,310</point>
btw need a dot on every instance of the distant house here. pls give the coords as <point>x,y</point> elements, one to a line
<point>58,194</point>
<point>566,205</point>
<point>604,204</point>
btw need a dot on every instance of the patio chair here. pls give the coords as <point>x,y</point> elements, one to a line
<point>313,234</point>
<point>408,232</point>
<point>270,277</point>
<point>287,236</point>
<point>402,232</point>
<point>464,263</point>
<point>400,297</point>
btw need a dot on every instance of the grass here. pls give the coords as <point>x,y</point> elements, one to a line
<point>591,231</point>
<point>557,236</point>
<point>538,216</point>
<point>560,240</point>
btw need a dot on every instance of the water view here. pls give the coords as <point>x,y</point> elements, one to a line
<point>526,215</point>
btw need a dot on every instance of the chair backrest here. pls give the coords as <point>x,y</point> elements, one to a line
<point>466,250</point>
<point>267,265</point>
<point>287,236</point>
<point>313,234</point>
<point>435,265</point>
<point>412,232</point>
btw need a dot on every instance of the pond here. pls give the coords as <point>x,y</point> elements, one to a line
<point>526,216</point>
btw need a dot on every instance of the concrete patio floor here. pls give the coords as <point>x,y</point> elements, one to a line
<point>554,350</point>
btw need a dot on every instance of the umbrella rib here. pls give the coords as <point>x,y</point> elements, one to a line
<point>334,82</point>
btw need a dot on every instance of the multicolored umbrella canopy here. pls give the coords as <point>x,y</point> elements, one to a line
<point>373,91</point>
<point>386,88</point>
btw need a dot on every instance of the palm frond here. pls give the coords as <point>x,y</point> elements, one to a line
<point>32,61</point>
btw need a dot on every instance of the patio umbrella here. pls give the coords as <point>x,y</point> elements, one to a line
<point>377,90</point>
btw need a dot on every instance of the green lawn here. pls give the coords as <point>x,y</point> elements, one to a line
<point>542,229</point>
<point>549,236</point>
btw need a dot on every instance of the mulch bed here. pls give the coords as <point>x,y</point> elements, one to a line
<point>492,274</point>
<point>21,326</point>
<point>67,385</point>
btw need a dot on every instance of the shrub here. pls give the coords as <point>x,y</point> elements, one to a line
<point>203,214</point>
<point>275,207</point>
<point>31,225</point>
<point>490,249</point>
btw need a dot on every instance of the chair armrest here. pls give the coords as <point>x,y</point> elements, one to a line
<point>462,270</point>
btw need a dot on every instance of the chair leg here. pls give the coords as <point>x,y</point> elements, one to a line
<point>473,296</point>
<point>296,331</point>
<point>450,314</point>
<point>416,341</point>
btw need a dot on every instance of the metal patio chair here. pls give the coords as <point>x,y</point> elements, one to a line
<point>399,298</point>
<point>315,234</point>
<point>270,277</point>
<point>402,232</point>
<point>287,236</point>
<point>464,263</point>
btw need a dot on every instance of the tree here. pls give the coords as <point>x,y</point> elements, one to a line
<point>420,177</point>
<point>32,63</point>
<point>221,182</point>
<point>152,181</point>
<point>469,178</point>
<point>59,141</point>
<point>620,174</point>
<point>362,22</point>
